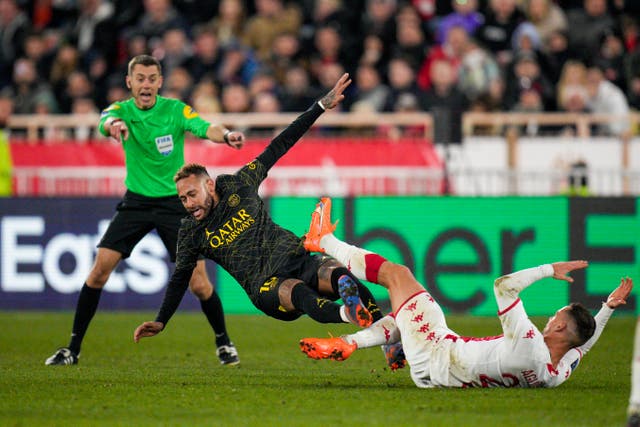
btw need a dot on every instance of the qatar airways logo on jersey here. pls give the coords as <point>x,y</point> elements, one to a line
<point>230,230</point>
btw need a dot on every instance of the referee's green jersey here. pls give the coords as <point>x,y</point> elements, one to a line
<point>154,150</point>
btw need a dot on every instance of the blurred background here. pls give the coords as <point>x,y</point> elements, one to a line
<point>477,137</point>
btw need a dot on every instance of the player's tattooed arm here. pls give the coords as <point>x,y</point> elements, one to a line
<point>335,95</point>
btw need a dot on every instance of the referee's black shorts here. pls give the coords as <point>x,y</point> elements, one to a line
<point>136,215</point>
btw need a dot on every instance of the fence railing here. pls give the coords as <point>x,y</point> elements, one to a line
<point>501,180</point>
<point>60,126</point>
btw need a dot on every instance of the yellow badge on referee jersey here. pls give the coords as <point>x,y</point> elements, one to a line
<point>189,113</point>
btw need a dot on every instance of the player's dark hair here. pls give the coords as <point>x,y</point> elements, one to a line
<point>585,323</point>
<point>145,60</point>
<point>190,169</point>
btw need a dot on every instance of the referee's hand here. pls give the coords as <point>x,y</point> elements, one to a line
<point>118,128</point>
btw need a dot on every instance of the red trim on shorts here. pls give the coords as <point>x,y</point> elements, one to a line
<point>500,313</point>
<point>407,300</point>
<point>372,263</point>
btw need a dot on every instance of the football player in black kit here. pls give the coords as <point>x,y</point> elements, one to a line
<point>230,225</point>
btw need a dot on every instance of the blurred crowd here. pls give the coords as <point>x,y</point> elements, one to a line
<point>441,56</point>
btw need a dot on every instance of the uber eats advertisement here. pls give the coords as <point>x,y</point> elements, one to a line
<point>456,247</point>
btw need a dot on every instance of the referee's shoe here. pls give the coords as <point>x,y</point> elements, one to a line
<point>63,356</point>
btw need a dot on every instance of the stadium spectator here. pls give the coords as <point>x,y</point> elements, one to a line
<point>238,65</point>
<point>178,84</point>
<point>402,80</point>
<point>632,66</point>
<point>81,133</point>
<point>235,98</point>
<point>66,61</point>
<point>556,55</point>
<point>479,74</point>
<point>94,31</point>
<point>610,59</point>
<point>446,103</point>
<point>285,53</point>
<point>593,16</point>
<point>411,42</point>
<point>272,18</point>
<point>375,53</point>
<point>333,13</point>
<point>150,201</point>
<point>495,34</point>
<point>329,50</point>
<point>281,279</point>
<point>547,17</point>
<point>77,86</point>
<point>159,16</point>
<point>465,14</point>
<point>30,93</point>
<point>523,356</point>
<point>207,54</point>
<point>205,98</point>
<point>35,48</point>
<point>174,50</point>
<point>263,81</point>
<point>296,91</point>
<point>379,18</point>
<point>453,49</point>
<point>369,91</point>
<point>607,98</point>
<point>228,24</point>
<point>14,27</point>
<point>527,75</point>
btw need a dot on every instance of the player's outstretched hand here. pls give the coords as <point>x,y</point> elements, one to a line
<point>235,139</point>
<point>561,269</point>
<point>335,95</point>
<point>620,294</point>
<point>147,329</point>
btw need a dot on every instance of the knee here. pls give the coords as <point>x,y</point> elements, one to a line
<point>397,274</point>
<point>200,287</point>
<point>98,276</point>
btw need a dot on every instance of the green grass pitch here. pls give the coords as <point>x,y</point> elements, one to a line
<point>175,379</point>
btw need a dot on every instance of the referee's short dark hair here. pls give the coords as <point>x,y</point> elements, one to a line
<point>146,60</point>
<point>190,169</point>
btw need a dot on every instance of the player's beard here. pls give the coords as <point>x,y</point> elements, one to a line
<point>207,205</point>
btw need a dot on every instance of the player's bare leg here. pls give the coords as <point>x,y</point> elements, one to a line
<point>633,411</point>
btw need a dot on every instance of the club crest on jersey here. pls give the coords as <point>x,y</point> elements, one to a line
<point>230,230</point>
<point>233,200</point>
<point>164,144</point>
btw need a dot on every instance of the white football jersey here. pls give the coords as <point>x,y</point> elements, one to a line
<point>438,357</point>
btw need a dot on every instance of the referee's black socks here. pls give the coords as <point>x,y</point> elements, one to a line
<point>85,309</point>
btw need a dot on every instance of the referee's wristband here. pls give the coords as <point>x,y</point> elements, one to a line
<point>225,136</point>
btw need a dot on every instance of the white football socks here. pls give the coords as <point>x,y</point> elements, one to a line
<point>384,331</point>
<point>351,256</point>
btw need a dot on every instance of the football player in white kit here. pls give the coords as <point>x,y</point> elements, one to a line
<point>522,356</point>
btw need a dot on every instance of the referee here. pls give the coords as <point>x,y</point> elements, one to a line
<point>151,129</point>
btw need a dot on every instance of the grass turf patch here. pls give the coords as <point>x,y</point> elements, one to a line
<point>176,379</point>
